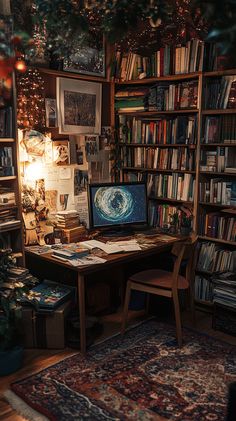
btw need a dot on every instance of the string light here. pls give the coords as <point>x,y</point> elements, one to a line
<point>31,100</point>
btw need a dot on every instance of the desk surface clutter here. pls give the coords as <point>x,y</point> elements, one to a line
<point>93,251</point>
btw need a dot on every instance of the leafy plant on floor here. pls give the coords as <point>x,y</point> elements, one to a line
<point>10,310</point>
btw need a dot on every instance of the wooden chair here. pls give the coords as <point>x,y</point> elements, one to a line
<point>164,283</point>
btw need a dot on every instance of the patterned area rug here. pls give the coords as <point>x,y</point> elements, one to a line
<point>144,376</point>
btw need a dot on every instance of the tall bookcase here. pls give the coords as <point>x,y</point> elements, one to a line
<point>11,231</point>
<point>213,165</point>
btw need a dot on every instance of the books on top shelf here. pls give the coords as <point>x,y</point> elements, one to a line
<point>179,59</point>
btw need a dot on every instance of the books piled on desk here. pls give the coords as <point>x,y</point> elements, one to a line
<point>71,251</point>
<point>67,219</point>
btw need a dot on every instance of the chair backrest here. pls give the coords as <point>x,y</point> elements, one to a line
<point>184,251</point>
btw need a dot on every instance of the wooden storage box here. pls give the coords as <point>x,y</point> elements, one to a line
<point>73,235</point>
<point>45,330</point>
<point>224,319</point>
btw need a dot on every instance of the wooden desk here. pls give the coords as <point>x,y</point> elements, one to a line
<point>113,261</point>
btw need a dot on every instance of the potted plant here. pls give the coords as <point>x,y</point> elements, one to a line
<point>174,224</point>
<point>11,351</point>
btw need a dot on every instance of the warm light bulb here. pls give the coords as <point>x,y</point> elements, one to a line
<point>34,171</point>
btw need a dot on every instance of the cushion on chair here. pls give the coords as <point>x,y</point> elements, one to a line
<point>159,278</point>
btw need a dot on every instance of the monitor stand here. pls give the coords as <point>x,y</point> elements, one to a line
<point>117,232</point>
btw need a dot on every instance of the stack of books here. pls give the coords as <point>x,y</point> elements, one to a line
<point>6,161</point>
<point>168,97</point>
<point>67,219</point>
<point>20,274</point>
<point>131,99</point>
<point>7,196</point>
<point>8,218</point>
<point>70,252</point>
<point>224,291</point>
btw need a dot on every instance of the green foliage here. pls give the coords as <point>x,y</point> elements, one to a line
<point>10,310</point>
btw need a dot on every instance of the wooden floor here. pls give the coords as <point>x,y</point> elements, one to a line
<point>37,359</point>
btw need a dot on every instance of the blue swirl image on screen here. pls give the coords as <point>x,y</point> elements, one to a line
<point>118,205</point>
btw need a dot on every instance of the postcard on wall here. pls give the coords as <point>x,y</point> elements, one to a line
<point>81,204</point>
<point>91,147</point>
<point>80,181</point>
<point>61,152</point>
<point>51,112</point>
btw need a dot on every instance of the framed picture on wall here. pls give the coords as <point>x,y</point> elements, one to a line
<point>88,55</point>
<point>78,106</point>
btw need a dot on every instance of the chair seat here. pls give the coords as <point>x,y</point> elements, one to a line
<point>158,278</point>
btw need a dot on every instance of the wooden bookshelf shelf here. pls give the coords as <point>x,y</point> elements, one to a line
<point>210,145</point>
<point>157,170</point>
<point>6,140</point>
<point>204,303</point>
<point>61,73</point>
<point>169,78</point>
<point>9,177</point>
<point>212,173</point>
<point>147,145</point>
<point>6,207</point>
<point>216,73</point>
<point>217,240</point>
<point>166,199</point>
<point>212,112</point>
<point>218,205</point>
<point>10,228</point>
<point>156,113</point>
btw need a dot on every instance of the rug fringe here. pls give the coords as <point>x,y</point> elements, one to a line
<point>24,410</point>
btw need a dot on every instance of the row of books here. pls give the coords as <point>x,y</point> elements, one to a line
<point>8,218</point>
<point>220,129</point>
<point>159,97</point>
<point>218,191</point>
<point>169,97</point>
<point>213,258</point>
<point>6,161</point>
<point>214,225</point>
<point>222,159</point>
<point>224,291</point>
<point>175,186</point>
<point>220,93</point>
<point>6,122</point>
<point>179,59</point>
<point>160,215</point>
<point>203,289</point>
<point>166,131</point>
<point>7,196</point>
<point>180,159</point>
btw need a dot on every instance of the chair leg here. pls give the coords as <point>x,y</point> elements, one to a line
<point>177,318</point>
<point>126,307</point>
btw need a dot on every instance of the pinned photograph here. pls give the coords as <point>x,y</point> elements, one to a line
<point>51,112</point>
<point>91,147</point>
<point>61,152</point>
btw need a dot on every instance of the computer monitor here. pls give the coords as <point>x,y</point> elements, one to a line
<point>117,204</point>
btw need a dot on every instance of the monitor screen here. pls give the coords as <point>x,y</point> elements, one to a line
<point>117,204</point>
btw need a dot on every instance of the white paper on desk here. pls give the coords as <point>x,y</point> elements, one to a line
<point>88,260</point>
<point>130,247</point>
<point>108,248</point>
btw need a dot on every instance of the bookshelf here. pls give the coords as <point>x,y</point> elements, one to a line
<point>215,145</point>
<point>11,231</point>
